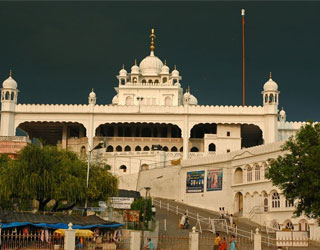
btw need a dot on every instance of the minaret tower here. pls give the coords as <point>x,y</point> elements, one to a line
<point>270,95</point>
<point>9,96</point>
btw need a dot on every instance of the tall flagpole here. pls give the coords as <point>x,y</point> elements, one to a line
<point>243,62</point>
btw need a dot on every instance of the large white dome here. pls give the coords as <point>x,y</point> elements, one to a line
<point>9,83</point>
<point>151,65</point>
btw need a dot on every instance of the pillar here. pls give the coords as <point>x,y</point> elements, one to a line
<point>70,238</point>
<point>64,136</point>
<point>257,240</point>
<point>135,240</point>
<point>194,239</point>
<point>169,131</point>
<point>81,132</point>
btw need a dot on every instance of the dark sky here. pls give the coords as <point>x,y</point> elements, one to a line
<point>58,51</point>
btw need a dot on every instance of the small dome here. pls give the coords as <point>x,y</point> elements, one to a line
<point>92,94</point>
<point>175,72</point>
<point>193,100</point>
<point>135,69</point>
<point>282,113</point>
<point>270,85</point>
<point>9,83</point>
<point>151,65</point>
<point>165,70</point>
<point>115,99</point>
<point>122,72</point>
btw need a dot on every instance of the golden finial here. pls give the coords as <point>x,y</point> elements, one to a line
<point>122,66</point>
<point>188,89</point>
<point>152,36</point>
<point>270,75</point>
<point>165,61</point>
<point>10,73</point>
<point>175,67</point>
<point>135,62</point>
<point>92,90</point>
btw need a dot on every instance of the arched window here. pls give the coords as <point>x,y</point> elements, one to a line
<point>303,225</point>
<point>127,148</point>
<point>174,149</point>
<point>271,98</point>
<point>144,167</point>
<point>275,98</point>
<point>275,200</point>
<point>146,148</point>
<point>7,95</point>
<point>265,202</point>
<point>138,148</point>
<point>257,173</point>
<point>119,148</point>
<point>165,148</point>
<point>167,101</point>
<point>109,148</point>
<point>289,225</point>
<point>275,225</point>
<point>156,82</point>
<point>238,176</point>
<point>150,82</point>
<point>212,147</point>
<point>266,98</point>
<point>83,152</point>
<point>134,80</point>
<point>175,81</point>
<point>249,174</point>
<point>12,96</point>
<point>129,101</point>
<point>194,149</point>
<point>164,80</point>
<point>144,81</point>
<point>181,149</point>
<point>123,81</point>
<point>123,168</point>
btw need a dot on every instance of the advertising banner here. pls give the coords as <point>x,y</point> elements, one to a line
<point>131,215</point>
<point>195,182</point>
<point>214,179</point>
<point>121,202</point>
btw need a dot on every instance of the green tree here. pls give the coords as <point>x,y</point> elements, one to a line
<point>297,172</point>
<point>46,174</point>
<point>139,204</point>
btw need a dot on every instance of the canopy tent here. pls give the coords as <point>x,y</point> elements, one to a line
<point>16,219</point>
<point>79,233</point>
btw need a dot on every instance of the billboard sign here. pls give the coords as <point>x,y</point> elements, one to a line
<point>214,179</point>
<point>121,202</point>
<point>195,182</point>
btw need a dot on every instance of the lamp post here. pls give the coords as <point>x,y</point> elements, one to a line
<point>100,145</point>
<point>144,213</point>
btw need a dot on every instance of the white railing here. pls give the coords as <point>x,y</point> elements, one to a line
<point>212,224</point>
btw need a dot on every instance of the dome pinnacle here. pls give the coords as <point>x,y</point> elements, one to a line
<point>270,76</point>
<point>10,73</point>
<point>152,36</point>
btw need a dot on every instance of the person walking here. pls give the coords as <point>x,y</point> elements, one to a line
<point>231,220</point>
<point>183,220</point>
<point>149,245</point>
<point>217,241</point>
<point>233,244</point>
<point>223,245</point>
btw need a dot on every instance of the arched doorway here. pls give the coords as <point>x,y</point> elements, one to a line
<point>238,174</point>
<point>238,203</point>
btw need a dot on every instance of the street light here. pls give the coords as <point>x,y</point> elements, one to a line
<point>100,145</point>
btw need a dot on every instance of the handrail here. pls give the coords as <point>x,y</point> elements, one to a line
<point>205,220</point>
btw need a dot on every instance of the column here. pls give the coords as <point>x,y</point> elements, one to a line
<point>64,136</point>
<point>135,240</point>
<point>70,238</point>
<point>257,240</point>
<point>194,239</point>
<point>169,131</point>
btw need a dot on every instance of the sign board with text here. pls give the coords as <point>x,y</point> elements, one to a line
<point>121,202</point>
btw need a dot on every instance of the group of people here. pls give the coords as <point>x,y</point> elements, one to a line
<point>184,221</point>
<point>221,243</point>
<point>229,218</point>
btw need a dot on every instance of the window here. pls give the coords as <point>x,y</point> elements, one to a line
<point>144,81</point>
<point>194,149</point>
<point>134,80</point>
<point>156,82</point>
<point>174,149</point>
<point>7,95</point>
<point>181,149</point>
<point>119,148</point>
<point>266,98</point>
<point>146,148</point>
<point>257,173</point>
<point>228,150</point>
<point>212,147</point>
<point>127,148</point>
<point>165,148</point>
<point>12,96</point>
<point>164,80</point>
<point>123,168</point>
<point>289,203</point>
<point>289,225</point>
<point>150,81</point>
<point>249,174</point>
<point>138,148</point>
<point>109,149</point>
<point>123,81</point>
<point>271,98</point>
<point>129,101</point>
<point>228,133</point>
<point>275,200</point>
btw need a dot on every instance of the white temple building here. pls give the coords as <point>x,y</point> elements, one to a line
<point>151,108</point>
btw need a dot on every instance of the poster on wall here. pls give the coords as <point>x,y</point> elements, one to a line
<point>214,179</point>
<point>195,182</point>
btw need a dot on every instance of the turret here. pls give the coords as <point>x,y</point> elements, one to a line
<point>9,97</point>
